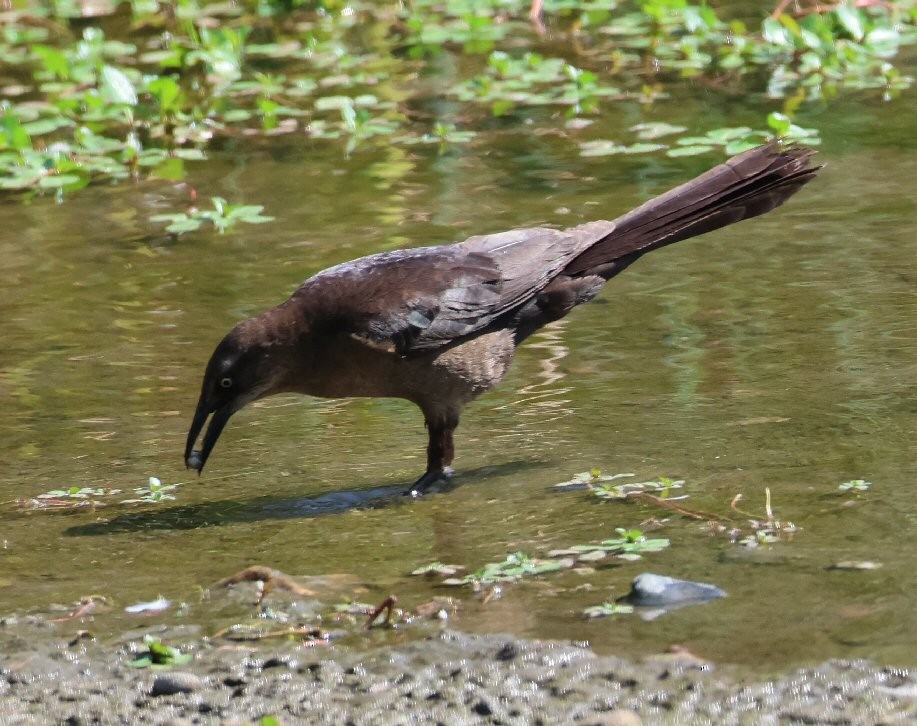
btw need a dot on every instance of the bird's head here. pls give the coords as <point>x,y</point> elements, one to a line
<point>241,370</point>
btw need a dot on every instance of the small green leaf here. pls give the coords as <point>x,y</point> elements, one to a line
<point>116,87</point>
<point>349,117</point>
<point>851,20</point>
<point>12,133</point>
<point>190,154</point>
<point>167,93</point>
<point>779,123</point>
<point>858,485</point>
<point>331,103</point>
<point>46,125</point>
<point>775,32</point>
<point>501,107</point>
<point>172,169</point>
<point>159,655</point>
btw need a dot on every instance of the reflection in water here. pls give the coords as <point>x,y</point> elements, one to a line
<point>544,399</point>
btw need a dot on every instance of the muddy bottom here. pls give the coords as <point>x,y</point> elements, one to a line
<point>448,677</point>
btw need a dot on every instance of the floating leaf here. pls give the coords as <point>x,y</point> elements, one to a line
<point>656,130</point>
<point>437,568</point>
<point>63,180</point>
<point>693,150</point>
<point>600,147</point>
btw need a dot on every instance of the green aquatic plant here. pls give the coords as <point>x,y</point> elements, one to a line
<point>223,216</point>
<point>428,28</point>
<point>607,609</point>
<point>855,485</point>
<point>86,104</point>
<point>631,544</point>
<point>437,568</point>
<point>158,655</point>
<point>510,82</point>
<point>729,140</point>
<point>78,493</point>
<point>601,485</point>
<point>589,479</point>
<point>154,492</point>
<point>516,566</point>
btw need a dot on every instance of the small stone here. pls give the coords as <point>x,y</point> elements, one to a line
<point>168,684</point>
<point>620,717</point>
<point>482,708</point>
<point>507,652</point>
<point>278,662</point>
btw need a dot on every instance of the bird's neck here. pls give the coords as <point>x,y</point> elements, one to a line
<point>276,328</point>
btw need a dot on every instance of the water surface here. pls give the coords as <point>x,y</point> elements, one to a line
<point>780,353</point>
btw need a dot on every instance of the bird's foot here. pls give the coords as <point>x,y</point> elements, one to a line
<point>434,476</point>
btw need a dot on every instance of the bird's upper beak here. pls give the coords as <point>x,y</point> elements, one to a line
<point>196,459</point>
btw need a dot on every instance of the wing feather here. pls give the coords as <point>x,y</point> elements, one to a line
<point>431,297</point>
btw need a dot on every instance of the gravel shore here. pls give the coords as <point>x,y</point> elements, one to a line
<point>447,678</point>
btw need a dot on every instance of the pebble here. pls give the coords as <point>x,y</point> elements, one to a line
<point>168,684</point>
<point>620,717</point>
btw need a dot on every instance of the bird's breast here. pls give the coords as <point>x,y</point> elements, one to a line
<point>348,366</point>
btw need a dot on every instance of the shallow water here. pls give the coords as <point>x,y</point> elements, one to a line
<point>781,353</point>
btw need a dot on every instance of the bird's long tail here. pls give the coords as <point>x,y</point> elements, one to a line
<point>745,186</point>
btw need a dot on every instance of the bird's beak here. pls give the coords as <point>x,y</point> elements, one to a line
<point>196,459</point>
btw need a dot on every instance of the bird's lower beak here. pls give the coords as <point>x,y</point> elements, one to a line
<point>196,459</point>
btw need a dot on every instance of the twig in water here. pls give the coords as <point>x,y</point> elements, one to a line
<point>386,605</point>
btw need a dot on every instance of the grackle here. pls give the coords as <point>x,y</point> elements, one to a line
<point>439,325</point>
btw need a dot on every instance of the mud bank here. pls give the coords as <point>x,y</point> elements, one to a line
<point>448,678</point>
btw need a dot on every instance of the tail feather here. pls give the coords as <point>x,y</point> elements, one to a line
<point>745,186</point>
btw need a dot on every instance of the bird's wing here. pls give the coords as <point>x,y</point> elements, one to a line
<point>427,298</point>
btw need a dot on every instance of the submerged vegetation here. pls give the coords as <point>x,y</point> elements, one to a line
<point>96,92</point>
<point>630,544</point>
<point>74,497</point>
<point>745,528</point>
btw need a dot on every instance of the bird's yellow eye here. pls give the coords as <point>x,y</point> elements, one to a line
<point>226,382</point>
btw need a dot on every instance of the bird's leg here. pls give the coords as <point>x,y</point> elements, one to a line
<point>440,452</point>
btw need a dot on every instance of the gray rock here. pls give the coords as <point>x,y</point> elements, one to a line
<point>649,590</point>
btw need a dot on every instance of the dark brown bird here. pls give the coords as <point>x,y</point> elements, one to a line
<point>439,325</point>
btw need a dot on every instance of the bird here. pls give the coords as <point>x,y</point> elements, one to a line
<point>438,326</point>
